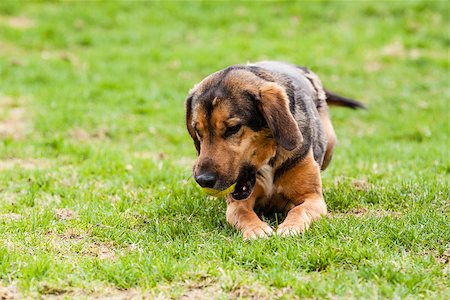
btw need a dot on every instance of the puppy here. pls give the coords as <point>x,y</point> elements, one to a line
<point>263,134</point>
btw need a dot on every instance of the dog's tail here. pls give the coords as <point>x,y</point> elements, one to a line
<point>333,99</point>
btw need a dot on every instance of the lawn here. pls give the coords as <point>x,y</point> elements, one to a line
<point>97,198</point>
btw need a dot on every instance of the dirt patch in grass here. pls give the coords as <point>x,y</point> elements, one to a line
<point>65,214</point>
<point>10,49</point>
<point>13,119</point>
<point>204,288</point>
<point>47,200</point>
<point>202,293</point>
<point>101,251</point>
<point>69,179</point>
<point>10,198</point>
<point>11,217</point>
<point>208,288</point>
<point>155,156</point>
<point>69,57</point>
<point>445,257</point>
<point>52,291</point>
<point>197,292</point>
<point>24,164</point>
<point>69,234</point>
<point>445,260</point>
<point>260,292</point>
<point>63,243</point>
<point>17,22</point>
<point>358,184</point>
<point>397,49</point>
<point>360,212</point>
<point>97,290</point>
<point>214,291</point>
<point>9,292</point>
<point>81,135</point>
<point>14,124</point>
<point>373,66</point>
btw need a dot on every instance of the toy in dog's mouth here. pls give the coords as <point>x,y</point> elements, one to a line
<point>241,189</point>
<point>218,193</point>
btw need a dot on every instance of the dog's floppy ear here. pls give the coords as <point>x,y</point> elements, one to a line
<point>275,108</point>
<point>188,104</point>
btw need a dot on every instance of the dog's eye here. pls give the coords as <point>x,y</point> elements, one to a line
<point>198,134</point>
<point>232,130</point>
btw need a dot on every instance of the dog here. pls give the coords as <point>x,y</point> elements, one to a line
<point>262,134</point>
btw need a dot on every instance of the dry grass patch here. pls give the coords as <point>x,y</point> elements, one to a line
<point>101,250</point>
<point>17,22</point>
<point>445,257</point>
<point>70,179</point>
<point>13,246</point>
<point>358,184</point>
<point>65,214</point>
<point>10,49</point>
<point>261,292</point>
<point>24,164</point>
<point>9,198</point>
<point>9,292</point>
<point>11,217</point>
<point>52,292</point>
<point>364,212</point>
<point>72,234</point>
<point>44,200</point>
<point>81,135</point>
<point>64,244</point>
<point>207,289</point>
<point>203,293</point>
<point>69,57</point>
<point>13,119</point>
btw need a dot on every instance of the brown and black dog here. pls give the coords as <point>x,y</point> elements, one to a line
<point>262,134</point>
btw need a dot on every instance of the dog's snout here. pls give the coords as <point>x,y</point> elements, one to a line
<point>207,180</point>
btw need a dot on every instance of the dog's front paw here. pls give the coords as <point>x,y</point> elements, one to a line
<point>262,230</point>
<point>290,229</point>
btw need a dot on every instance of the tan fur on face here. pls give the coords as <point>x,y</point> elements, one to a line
<point>247,146</point>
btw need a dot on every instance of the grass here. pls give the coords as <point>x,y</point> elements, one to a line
<point>96,194</point>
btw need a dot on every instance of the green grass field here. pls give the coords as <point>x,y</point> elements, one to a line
<point>96,194</point>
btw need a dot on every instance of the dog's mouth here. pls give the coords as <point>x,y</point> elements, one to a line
<point>245,183</point>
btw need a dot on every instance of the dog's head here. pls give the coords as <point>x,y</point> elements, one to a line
<point>237,118</point>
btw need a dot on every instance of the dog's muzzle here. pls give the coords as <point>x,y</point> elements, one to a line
<point>241,189</point>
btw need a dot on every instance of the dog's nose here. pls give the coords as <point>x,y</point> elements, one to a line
<point>207,180</point>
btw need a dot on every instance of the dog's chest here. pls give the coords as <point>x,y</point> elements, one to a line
<point>264,179</point>
<point>269,191</point>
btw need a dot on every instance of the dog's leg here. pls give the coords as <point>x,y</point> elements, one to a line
<point>331,136</point>
<point>241,215</point>
<point>301,187</point>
